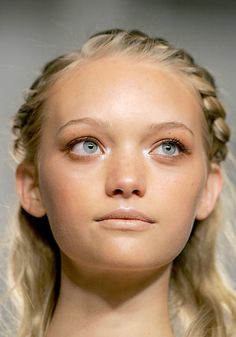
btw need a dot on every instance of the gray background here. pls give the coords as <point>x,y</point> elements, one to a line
<point>33,32</point>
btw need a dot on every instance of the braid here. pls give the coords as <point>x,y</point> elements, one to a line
<point>161,50</point>
<point>214,112</point>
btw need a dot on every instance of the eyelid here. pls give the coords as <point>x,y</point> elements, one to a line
<point>182,148</point>
<point>75,141</point>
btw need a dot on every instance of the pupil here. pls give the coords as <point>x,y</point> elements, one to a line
<point>169,148</point>
<point>90,147</point>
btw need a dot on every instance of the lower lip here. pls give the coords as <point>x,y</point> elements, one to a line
<point>126,225</point>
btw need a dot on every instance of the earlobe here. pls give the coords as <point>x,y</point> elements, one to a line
<point>28,190</point>
<point>211,192</point>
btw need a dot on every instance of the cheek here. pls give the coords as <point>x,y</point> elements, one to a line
<point>181,186</point>
<point>64,189</point>
<point>180,194</point>
<point>64,194</point>
<point>70,196</point>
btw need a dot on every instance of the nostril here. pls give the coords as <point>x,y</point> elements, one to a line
<point>120,191</point>
<point>117,191</point>
<point>137,192</point>
<point>125,186</point>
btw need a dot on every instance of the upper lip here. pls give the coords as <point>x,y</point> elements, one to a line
<point>126,214</point>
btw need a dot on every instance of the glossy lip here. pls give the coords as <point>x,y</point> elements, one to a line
<point>126,219</point>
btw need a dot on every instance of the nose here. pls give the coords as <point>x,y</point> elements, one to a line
<point>126,177</point>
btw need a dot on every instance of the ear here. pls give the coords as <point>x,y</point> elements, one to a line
<point>211,192</point>
<point>28,190</point>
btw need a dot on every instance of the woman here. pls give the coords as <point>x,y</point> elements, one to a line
<point>119,177</point>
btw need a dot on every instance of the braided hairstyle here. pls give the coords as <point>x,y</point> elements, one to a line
<point>137,43</point>
<point>197,291</point>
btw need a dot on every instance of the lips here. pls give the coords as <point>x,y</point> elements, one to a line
<point>126,219</point>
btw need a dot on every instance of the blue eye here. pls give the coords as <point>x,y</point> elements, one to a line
<point>169,148</point>
<point>90,146</point>
<point>84,147</point>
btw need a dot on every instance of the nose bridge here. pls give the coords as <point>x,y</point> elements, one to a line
<point>126,173</point>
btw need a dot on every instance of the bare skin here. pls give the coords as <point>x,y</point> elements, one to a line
<point>115,277</point>
<point>113,304</point>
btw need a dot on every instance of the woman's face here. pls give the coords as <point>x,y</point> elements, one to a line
<point>127,136</point>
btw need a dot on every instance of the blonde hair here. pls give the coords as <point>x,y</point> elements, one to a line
<point>198,295</point>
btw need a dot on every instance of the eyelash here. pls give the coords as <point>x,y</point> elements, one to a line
<point>68,148</point>
<point>173,141</point>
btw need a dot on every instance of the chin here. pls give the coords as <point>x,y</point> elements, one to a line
<point>126,263</point>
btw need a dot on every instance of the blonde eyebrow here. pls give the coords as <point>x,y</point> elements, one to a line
<point>169,125</point>
<point>154,127</point>
<point>98,123</point>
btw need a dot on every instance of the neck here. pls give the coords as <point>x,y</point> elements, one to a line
<point>100,303</point>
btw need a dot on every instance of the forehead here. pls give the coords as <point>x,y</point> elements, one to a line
<point>119,87</point>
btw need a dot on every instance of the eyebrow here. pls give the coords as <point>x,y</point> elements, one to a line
<point>98,123</point>
<point>170,125</point>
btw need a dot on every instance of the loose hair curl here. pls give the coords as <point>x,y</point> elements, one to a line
<point>201,302</point>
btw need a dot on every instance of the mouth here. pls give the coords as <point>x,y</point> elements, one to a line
<point>126,220</point>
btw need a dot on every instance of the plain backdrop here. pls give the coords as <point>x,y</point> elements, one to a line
<point>33,32</point>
